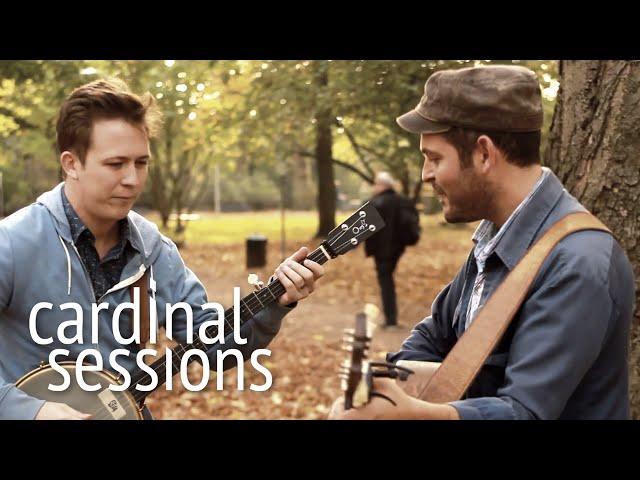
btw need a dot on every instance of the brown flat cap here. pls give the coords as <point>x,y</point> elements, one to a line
<point>501,98</point>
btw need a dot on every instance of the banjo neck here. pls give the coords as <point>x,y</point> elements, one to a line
<point>250,305</point>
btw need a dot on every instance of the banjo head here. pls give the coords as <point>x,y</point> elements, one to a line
<point>102,404</point>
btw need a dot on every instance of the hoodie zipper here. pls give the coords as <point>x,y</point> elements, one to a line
<point>86,272</point>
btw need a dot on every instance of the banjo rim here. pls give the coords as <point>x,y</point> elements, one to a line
<point>71,365</point>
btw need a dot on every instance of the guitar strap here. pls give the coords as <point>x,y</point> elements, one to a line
<point>462,364</point>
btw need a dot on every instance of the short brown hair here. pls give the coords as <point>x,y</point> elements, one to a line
<point>519,148</point>
<point>102,99</point>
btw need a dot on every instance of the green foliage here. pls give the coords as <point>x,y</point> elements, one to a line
<point>251,118</point>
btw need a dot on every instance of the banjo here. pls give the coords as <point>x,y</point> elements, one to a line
<point>108,404</point>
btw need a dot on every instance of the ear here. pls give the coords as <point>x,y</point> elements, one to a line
<point>70,164</point>
<point>486,154</point>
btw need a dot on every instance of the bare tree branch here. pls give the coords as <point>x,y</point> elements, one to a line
<point>366,177</point>
<point>357,149</point>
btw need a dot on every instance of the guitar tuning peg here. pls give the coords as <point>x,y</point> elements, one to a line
<point>254,280</point>
<point>350,331</point>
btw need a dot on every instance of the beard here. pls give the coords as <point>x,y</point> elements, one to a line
<point>471,201</point>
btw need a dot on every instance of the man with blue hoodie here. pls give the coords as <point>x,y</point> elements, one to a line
<point>82,243</point>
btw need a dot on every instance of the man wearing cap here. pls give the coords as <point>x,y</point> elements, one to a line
<point>564,354</point>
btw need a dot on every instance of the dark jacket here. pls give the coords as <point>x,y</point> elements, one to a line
<point>385,245</point>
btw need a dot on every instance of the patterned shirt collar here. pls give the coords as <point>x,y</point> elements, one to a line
<point>78,228</point>
<point>485,236</point>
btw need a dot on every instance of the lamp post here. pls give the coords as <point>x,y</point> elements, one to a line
<point>282,174</point>
<point>216,188</point>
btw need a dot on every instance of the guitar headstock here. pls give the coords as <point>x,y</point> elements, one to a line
<point>362,224</point>
<point>353,371</point>
<point>358,372</point>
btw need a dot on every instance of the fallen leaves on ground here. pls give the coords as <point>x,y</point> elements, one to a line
<point>306,353</point>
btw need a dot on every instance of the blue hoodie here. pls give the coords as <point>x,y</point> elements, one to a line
<point>39,263</point>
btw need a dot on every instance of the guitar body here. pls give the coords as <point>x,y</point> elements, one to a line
<point>103,404</point>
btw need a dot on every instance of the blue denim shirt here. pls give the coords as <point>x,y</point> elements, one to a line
<point>564,355</point>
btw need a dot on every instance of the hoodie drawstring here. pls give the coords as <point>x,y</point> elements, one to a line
<point>66,250</point>
<point>152,283</point>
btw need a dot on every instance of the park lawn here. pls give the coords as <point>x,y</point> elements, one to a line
<point>233,228</point>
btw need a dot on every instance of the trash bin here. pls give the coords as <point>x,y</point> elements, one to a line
<point>256,251</point>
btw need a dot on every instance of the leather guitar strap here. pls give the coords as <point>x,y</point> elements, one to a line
<point>465,359</point>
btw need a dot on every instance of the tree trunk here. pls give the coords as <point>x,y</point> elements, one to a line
<point>157,174</point>
<point>324,155</point>
<point>593,148</point>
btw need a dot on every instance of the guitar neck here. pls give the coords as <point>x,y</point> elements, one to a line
<point>250,305</point>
